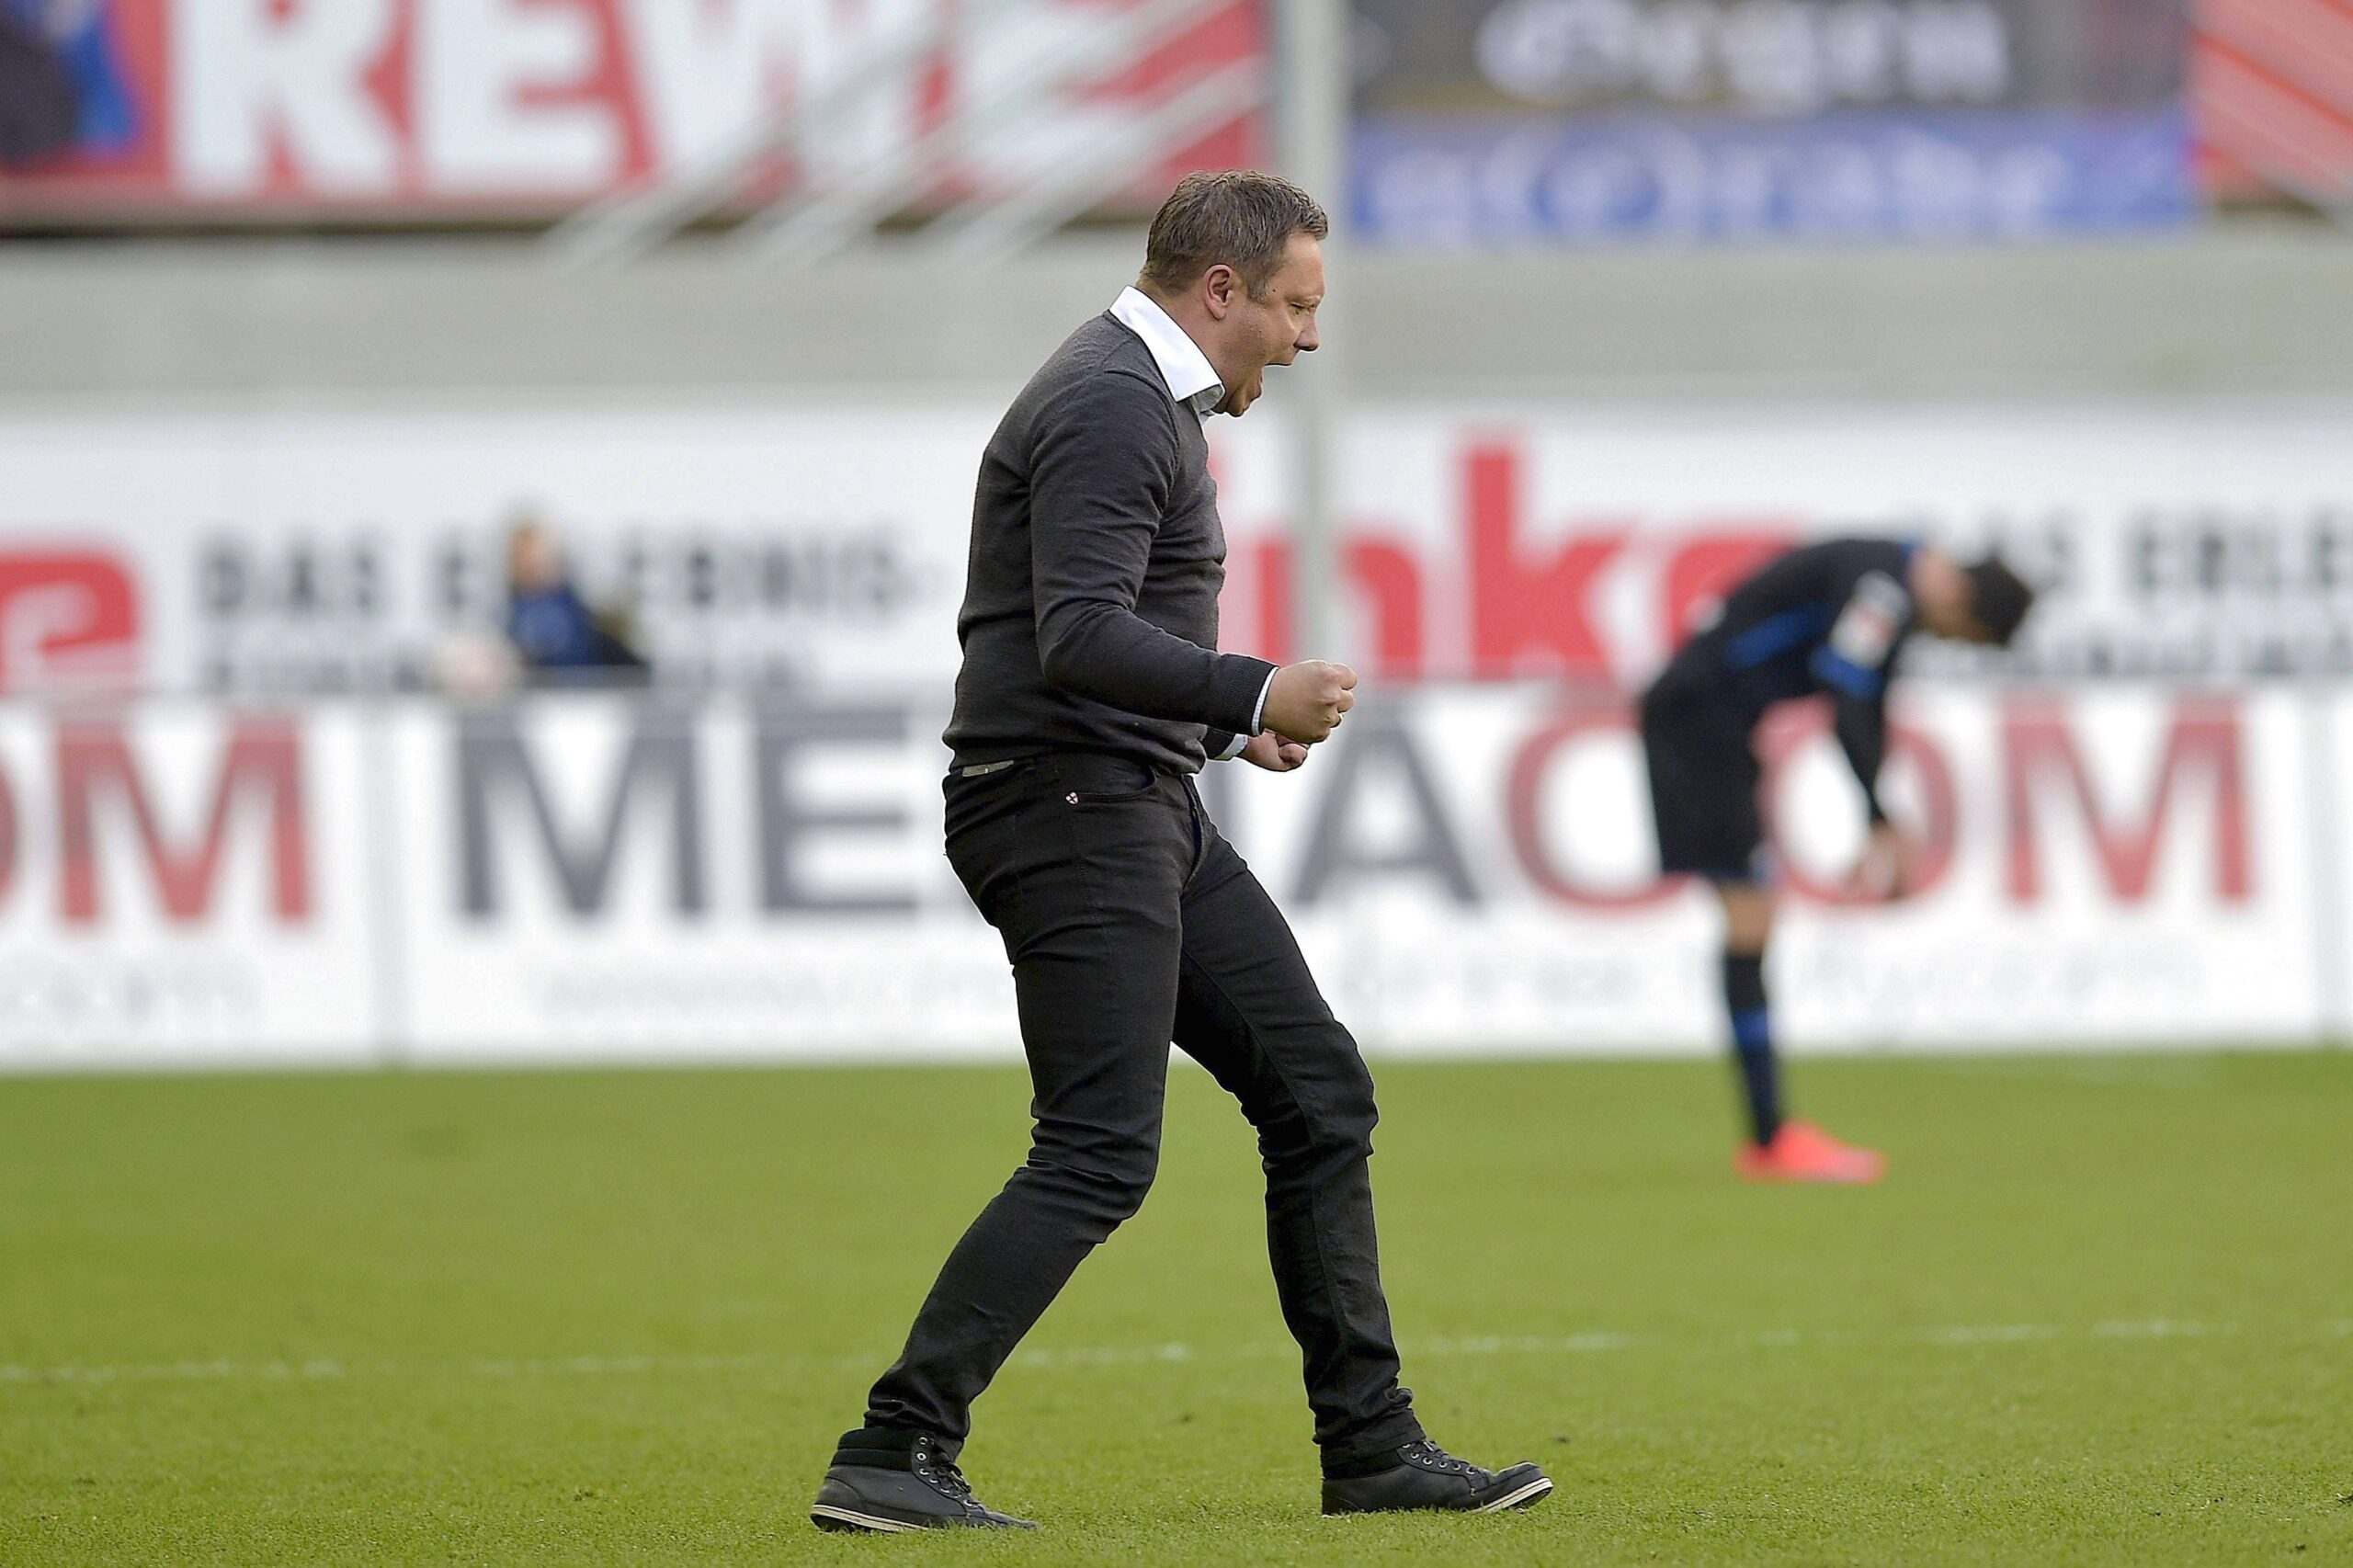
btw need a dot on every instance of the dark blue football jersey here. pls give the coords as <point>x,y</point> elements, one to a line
<point>1827,620</point>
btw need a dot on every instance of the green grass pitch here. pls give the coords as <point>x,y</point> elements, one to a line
<point>2101,1312</point>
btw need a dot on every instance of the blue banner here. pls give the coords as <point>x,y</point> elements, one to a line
<point>1423,180</point>
<point>1492,121</point>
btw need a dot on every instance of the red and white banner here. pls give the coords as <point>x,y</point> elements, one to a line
<point>2272,80</point>
<point>187,884</point>
<point>264,867</point>
<point>522,109</point>
<point>284,554</point>
<point>1470,869</point>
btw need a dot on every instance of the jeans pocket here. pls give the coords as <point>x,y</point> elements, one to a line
<point>1104,780</point>
<point>988,857</point>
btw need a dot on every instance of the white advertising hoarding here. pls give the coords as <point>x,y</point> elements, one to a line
<point>599,878</point>
<point>749,866</point>
<point>183,885</point>
<point>1470,869</point>
<point>1476,870</point>
<point>420,109</point>
<point>284,554</point>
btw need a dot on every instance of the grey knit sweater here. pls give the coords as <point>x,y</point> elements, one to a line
<point>1090,595</point>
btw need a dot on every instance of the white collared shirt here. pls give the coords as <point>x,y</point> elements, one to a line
<point>1194,384</point>
<point>1192,380</point>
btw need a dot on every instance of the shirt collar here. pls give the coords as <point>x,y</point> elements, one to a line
<point>1191,380</point>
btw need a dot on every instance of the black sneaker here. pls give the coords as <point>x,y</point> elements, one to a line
<point>1423,1475</point>
<point>888,1482</point>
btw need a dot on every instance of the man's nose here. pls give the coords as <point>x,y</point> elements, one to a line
<point>1308,341</point>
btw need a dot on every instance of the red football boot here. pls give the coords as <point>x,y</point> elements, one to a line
<point>1803,1151</point>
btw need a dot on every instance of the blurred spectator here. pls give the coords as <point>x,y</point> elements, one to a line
<point>555,634</point>
<point>40,110</point>
<point>61,83</point>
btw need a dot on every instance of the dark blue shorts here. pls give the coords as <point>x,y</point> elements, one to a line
<point>1703,779</point>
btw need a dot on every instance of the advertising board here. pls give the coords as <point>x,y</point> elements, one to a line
<point>599,878</point>
<point>439,110</point>
<point>1487,121</point>
<point>187,884</point>
<point>292,554</point>
<point>239,827</point>
<point>1469,868</point>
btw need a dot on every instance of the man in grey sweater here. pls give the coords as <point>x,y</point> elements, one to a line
<point>1091,693</point>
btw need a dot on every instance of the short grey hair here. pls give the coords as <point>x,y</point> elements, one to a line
<point>1240,217</point>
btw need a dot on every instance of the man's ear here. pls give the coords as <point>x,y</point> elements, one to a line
<point>1219,289</point>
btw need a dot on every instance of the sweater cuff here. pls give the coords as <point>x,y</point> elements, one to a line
<point>1259,714</point>
<point>1223,747</point>
<point>1238,694</point>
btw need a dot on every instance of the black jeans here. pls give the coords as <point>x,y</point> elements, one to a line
<point>1130,923</point>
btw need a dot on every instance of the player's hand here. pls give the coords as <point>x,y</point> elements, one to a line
<point>1888,868</point>
<point>1305,700</point>
<point>1271,752</point>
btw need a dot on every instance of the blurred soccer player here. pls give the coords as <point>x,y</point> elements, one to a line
<point>1091,693</point>
<point>1831,619</point>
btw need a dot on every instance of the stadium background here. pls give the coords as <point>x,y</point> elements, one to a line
<point>303,303</point>
<point>1626,296</point>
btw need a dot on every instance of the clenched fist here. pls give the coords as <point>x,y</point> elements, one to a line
<point>1306,699</point>
<point>1275,754</point>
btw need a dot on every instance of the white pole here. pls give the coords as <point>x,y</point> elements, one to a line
<point>1311,131</point>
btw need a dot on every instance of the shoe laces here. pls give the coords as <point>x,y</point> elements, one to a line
<point>942,1473</point>
<point>1436,1457</point>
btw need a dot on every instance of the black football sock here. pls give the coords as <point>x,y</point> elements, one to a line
<point>1752,1041</point>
